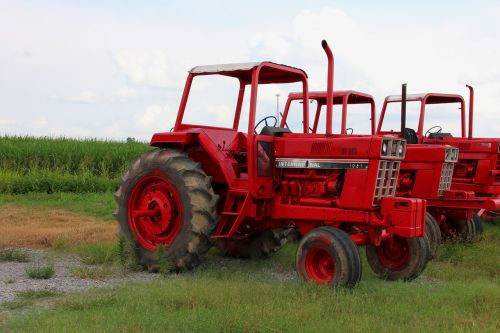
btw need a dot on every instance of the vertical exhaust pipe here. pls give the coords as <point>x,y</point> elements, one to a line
<point>403,109</point>
<point>329,87</point>
<point>471,109</point>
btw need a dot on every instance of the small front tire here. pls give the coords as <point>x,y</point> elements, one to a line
<point>328,256</point>
<point>399,258</point>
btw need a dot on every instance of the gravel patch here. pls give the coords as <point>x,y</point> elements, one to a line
<point>13,277</point>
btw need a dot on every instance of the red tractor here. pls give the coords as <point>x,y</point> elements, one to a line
<point>245,190</point>
<point>475,184</point>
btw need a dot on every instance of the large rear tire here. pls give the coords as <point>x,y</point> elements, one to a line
<point>166,199</point>
<point>478,225</point>
<point>328,256</point>
<point>257,245</point>
<point>462,230</point>
<point>399,258</point>
<point>433,234</point>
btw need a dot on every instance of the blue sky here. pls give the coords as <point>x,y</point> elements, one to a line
<point>114,69</point>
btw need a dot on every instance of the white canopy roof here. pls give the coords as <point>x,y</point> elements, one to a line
<point>244,66</point>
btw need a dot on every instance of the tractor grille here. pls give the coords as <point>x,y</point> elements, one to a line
<point>446,175</point>
<point>387,180</point>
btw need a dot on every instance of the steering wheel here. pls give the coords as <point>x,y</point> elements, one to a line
<point>349,128</point>
<point>429,131</point>
<point>265,121</point>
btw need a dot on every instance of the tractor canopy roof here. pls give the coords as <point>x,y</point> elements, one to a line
<point>429,98</point>
<point>354,97</point>
<point>269,72</point>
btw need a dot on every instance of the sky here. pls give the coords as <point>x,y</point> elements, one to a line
<point>116,69</point>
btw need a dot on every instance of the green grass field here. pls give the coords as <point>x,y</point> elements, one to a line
<point>458,292</point>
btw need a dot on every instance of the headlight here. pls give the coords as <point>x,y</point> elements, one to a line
<point>384,148</point>
<point>392,148</point>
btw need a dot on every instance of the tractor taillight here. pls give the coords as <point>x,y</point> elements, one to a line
<point>393,148</point>
<point>387,180</point>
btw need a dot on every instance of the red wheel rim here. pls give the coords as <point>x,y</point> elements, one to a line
<point>394,253</point>
<point>154,212</point>
<point>320,265</point>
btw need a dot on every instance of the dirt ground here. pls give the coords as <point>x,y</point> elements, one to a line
<point>44,228</point>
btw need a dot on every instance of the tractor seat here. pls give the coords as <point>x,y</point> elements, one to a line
<point>440,136</point>
<point>274,131</point>
<point>411,136</point>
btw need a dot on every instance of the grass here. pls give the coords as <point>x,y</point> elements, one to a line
<point>95,254</point>
<point>100,205</point>
<point>26,298</point>
<point>13,255</point>
<point>458,292</point>
<point>93,272</point>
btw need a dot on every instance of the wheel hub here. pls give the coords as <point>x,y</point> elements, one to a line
<point>154,211</point>
<point>394,253</point>
<point>320,265</point>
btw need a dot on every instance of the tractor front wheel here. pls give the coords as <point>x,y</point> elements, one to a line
<point>328,256</point>
<point>399,258</point>
<point>165,199</point>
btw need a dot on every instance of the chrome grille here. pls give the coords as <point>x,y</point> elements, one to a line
<point>387,180</point>
<point>446,175</point>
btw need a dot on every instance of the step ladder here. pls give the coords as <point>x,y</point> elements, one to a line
<point>235,210</point>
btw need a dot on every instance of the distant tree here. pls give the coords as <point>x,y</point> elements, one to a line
<point>131,140</point>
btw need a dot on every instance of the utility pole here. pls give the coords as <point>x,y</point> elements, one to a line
<point>278,108</point>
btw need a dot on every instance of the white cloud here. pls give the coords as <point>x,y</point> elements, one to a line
<point>124,94</point>
<point>148,68</point>
<point>155,118</point>
<point>85,97</point>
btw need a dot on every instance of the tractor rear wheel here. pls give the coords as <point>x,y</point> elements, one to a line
<point>478,225</point>
<point>433,233</point>
<point>399,258</point>
<point>165,199</point>
<point>261,244</point>
<point>462,230</point>
<point>328,256</point>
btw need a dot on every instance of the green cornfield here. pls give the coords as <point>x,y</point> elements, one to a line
<point>29,164</point>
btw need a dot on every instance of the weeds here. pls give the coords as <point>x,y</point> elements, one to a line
<point>97,254</point>
<point>40,269</point>
<point>13,255</point>
<point>163,267</point>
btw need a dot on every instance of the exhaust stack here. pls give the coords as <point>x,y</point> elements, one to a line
<point>471,108</point>
<point>329,87</point>
<point>403,109</point>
